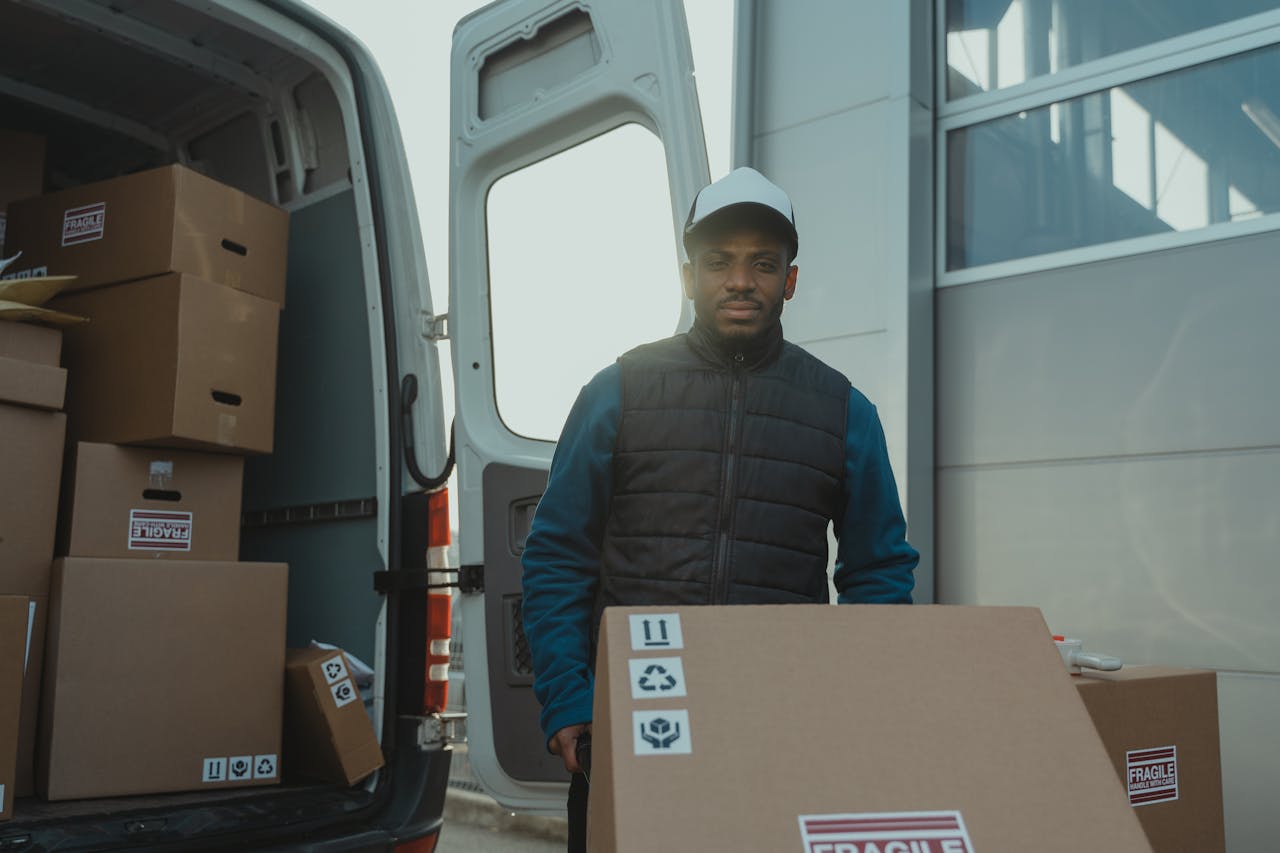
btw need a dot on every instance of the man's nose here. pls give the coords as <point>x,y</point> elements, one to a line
<point>740,278</point>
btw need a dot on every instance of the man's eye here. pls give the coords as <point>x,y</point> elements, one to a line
<point>766,266</point>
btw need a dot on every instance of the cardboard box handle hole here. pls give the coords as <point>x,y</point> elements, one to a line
<point>232,246</point>
<point>161,495</point>
<point>226,398</point>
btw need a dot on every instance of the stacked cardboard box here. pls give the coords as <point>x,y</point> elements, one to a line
<point>166,656</point>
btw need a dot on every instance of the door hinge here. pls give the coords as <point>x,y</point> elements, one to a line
<point>435,327</point>
<point>471,578</point>
<point>440,730</point>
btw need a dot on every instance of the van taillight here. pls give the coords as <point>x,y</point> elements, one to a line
<point>439,603</point>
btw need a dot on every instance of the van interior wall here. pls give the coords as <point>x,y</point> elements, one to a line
<point>132,89</point>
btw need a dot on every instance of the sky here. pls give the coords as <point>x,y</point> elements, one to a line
<point>411,43</point>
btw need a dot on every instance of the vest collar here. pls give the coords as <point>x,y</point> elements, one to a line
<point>753,354</point>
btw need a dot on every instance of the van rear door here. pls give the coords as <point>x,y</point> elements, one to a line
<point>575,131</point>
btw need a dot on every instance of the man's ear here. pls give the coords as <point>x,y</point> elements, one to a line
<point>789,289</point>
<point>686,273</point>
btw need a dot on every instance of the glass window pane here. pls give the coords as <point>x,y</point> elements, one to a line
<point>992,44</point>
<point>582,267</point>
<point>1171,153</point>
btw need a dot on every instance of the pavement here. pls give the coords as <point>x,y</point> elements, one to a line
<point>480,811</point>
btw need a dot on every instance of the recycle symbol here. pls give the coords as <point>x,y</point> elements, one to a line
<point>264,767</point>
<point>659,733</point>
<point>661,680</point>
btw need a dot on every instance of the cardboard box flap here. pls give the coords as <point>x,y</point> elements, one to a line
<point>805,722</point>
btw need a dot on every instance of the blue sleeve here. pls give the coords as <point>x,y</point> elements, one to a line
<point>874,562</point>
<point>561,558</point>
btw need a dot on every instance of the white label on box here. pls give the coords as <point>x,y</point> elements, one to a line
<point>655,631</point>
<point>159,530</point>
<point>656,678</point>
<point>1152,775</point>
<point>908,832</point>
<point>1,796</point>
<point>34,272</point>
<point>215,770</point>
<point>335,669</point>
<point>344,692</point>
<point>264,766</point>
<point>240,767</point>
<point>661,732</point>
<point>31,623</point>
<point>84,224</point>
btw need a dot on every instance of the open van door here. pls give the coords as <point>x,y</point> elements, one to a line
<point>567,116</point>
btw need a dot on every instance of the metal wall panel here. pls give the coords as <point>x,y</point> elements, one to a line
<point>1248,707</point>
<point>1162,353</point>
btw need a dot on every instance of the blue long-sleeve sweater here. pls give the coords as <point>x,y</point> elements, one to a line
<point>561,559</point>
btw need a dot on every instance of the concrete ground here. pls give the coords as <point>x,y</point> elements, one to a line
<point>474,823</point>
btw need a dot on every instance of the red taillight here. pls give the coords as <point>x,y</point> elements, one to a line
<point>425,844</point>
<point>439,604</point>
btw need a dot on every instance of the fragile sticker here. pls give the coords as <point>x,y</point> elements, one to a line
<point>215,770</point>
<point>654,678</point>
<point>335,669</point>
<point>84,224</point>
<point>661,732</point>
<point>159,530</point>
<point>240,768</point>
<point>1152,775</point>
<point>655,631</point>
<point>887,832</point>
<point>264,766</point>
<point>344,692</point>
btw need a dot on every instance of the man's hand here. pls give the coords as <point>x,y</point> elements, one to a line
<point>564,743</point>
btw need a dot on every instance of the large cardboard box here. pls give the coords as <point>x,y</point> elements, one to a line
<point>31,468</point>
<point>845,729</point>
<point>13,641</point>
<point>1160,727</point>
<point>150,502</point>
<point>21,171</point>
<point>24,784</point>
<point>161,676</point>
<point>29,371</point>
<point>169,219</point>
<point>327,734</point>
<point>172,361</point>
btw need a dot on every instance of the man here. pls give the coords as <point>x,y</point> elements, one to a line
<point>704,469</point>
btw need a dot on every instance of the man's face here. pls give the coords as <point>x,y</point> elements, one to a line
<point>738,280</point>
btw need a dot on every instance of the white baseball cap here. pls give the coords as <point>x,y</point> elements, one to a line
<point>743,191</point>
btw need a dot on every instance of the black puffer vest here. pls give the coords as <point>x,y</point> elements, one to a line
<point>726,471</point>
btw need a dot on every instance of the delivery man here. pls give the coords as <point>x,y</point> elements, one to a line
<point>705,468</point>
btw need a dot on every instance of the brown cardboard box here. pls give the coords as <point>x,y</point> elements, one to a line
<point>14,620</point>
<point>1160,727</point>
<point>31,468</point>
<point>147,502</point>
<point>327,734</point>
<point>29,371</point>
<point>161,676</point>
<point>829,728</point>
<point>21,170</point>
<point>169,219</point>
<point>172,361</point>
<point>24,784</point>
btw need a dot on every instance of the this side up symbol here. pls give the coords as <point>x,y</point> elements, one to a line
<point>660,733</point>
<point>656,677</point>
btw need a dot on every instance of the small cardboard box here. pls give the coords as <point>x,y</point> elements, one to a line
<point>24,784</point>
<point>851,728</point>
<point>14,623</point>
<point>327,734</point>
<point>29,371</point>
<point>31,467</point>
<point>1160,728</point>
<point>161,676</point>
<point>137,502</point>
<point>174,361</point>
<point>21,170</point>
<point>163,220</point>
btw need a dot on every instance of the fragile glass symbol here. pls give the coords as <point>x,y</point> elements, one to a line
<point>660,733</point>
<point>661,680</point>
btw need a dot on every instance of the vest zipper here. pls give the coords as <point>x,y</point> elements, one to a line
<point>728,476</point>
